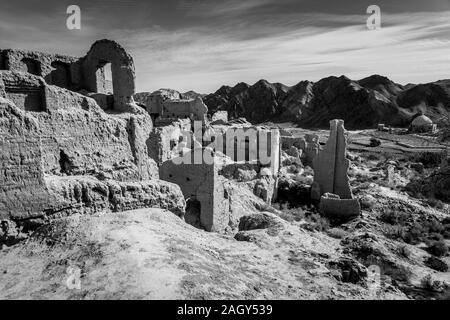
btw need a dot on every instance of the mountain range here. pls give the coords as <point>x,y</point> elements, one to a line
<point>361,104</point>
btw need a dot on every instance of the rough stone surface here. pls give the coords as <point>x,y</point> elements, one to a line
<point>200,184</point>
<point>334,207</point>
<point>122,68</point>
<point>55,160</point>
<point>79,74</point>
<point>331,165</point>
<point>170,104</point>
<point>256,221</point>
<point>349,270</point>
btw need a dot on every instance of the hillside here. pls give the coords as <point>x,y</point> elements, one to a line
<point>362,104</point>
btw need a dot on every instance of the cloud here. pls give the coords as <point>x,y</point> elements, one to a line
<point>200,45</point>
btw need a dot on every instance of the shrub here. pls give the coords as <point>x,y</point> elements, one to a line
<point>429,284</point>
<point>436,264</point>
<point>393,217</point>
<point>438,248</point>
<point>395,232</point>
<point>435,203</point>
<point>294,214</point>
<point>415,234</point>
<point>429,159</point>
<point>316,222</point>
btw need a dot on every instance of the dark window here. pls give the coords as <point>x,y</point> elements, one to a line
<point>31,66</point>
<point>60,76</point>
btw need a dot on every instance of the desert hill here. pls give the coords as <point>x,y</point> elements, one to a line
<point>361,104</point>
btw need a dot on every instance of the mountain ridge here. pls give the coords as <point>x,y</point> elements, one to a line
<point>360,103</point>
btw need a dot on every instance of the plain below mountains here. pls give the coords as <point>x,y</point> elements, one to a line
<point>361,104</point>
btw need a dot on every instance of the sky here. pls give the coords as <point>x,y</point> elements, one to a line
<point>201,45</point>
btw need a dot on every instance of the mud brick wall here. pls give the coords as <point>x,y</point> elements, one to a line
<point>22,187</point>
<point>26,92</point>
<point>164,140</point>
<point>61,70</point>
<point>200,182</point>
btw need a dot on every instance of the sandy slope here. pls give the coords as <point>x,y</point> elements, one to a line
<point>152,254</point>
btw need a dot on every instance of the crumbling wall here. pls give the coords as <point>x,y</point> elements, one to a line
<point>194,109</point>
<point>331,164</point>
<point>56,69</point>
<point>199,182</point>
<point>310,147</point>
<point>26,92</point>
<point>169,104</point>
<point>22,185</point>
<point>101,53</point>
<point>250,144</point>
<point>42,152</point>
<point>164,140</point>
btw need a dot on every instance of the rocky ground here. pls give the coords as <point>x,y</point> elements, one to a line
<point>397,248</point>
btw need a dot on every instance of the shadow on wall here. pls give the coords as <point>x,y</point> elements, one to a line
<point>60,76</point>
<point>31,66</point>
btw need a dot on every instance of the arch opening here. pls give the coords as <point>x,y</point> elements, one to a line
<point>193,212</point>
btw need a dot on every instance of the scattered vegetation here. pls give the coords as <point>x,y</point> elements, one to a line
<point>316,222</point>
<point>401,226</point>
<point>429,159</point>
<point>394,217</point>
<point>438,248</point>
<point>337,233</point>
<point>435,203</point>
<point>436,264</point>
<point>429,284</point>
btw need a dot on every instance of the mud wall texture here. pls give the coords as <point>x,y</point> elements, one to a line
<point>163,141</point>
<point>101,53</point>
<point>199,183</point>
<point>60,70</point>
<point>22,185</point>
<point>81,74</point>
<point>169,104</point>
<point>72,157</point>
<point>331,165</point>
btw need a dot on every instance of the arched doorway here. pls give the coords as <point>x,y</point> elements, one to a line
<point>100,55</point>
<point>193,212</point>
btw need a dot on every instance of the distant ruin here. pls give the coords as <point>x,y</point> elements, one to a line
<point>73,142</point>
<point>85,74</point>
<point>166,105</point>
<point>69,147</point>
<point>331,185</point>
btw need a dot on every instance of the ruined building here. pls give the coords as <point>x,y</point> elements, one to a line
<point>331,185</point>
<point>85,74</point>
<point>166,105</point>
<point>69,147</point>
<point>202,172</point>
<point>73,142</point>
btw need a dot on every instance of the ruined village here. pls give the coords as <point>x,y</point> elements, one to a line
<point>169,195</point>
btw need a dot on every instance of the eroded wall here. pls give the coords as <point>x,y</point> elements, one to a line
<point>71,136</point>
<point>60,70</point>
<point>200,182</point>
